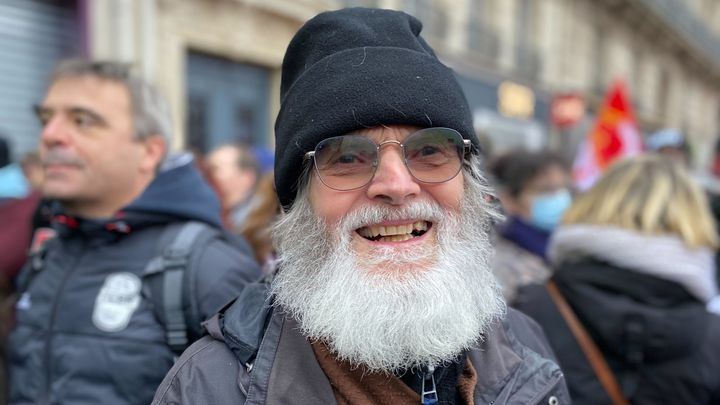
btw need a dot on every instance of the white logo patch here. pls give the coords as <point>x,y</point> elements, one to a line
<point>118,298</point>
<point>24,302</point>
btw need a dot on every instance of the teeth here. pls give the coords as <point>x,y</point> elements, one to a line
<point>386,232</point>
<point>396,238</point>
<point>420,226</point>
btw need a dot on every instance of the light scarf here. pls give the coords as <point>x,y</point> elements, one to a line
<point>662,256</point>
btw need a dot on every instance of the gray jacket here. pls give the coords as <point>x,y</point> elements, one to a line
<point>231,366</point>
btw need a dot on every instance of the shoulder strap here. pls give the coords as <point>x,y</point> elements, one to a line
<point>176,302</point>
<point>592,353</point>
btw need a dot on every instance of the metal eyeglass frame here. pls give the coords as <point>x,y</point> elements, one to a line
<point>467,144</point>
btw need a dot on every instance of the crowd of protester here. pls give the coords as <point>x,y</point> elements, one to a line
<point>621,279</point>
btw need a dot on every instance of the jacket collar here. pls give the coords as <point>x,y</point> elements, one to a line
<point>286,370</point>
<point>280,365</point>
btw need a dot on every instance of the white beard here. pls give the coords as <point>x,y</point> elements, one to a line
<point>397,319</point>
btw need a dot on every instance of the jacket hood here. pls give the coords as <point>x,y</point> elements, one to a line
<point>643,298</point>
<point>637,318</point>
<point>663,256</point>
<point>178,191</point>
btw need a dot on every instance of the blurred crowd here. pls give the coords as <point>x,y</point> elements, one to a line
<point>635,257</point>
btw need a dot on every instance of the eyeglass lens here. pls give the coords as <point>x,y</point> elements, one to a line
<point>432,155</point>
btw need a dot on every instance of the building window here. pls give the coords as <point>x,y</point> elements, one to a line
<point>483,40</point>
<point>433,16</point>
<point>527,57</point>
<point>196,122</point>
<point>228,102</point>
<point>636,79</point>
<point>599,59</point>
<point>663,93</point>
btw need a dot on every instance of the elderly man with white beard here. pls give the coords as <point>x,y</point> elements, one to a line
<point>384,293</point>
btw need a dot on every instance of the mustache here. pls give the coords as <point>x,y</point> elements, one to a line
<point>61,157</point>
<point>367,215</point>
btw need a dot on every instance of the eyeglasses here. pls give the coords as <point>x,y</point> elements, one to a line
<point>348,162</point>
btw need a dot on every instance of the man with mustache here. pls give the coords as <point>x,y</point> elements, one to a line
<point>384,293</point>
<point>96,321</point>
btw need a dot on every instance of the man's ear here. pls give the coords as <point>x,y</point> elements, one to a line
<point>154,149</point>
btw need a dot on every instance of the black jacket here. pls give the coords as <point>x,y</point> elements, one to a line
<point>660,342</point>
<point>86,331</point>
<point>257,356</point>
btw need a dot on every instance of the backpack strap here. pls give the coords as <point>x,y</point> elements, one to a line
<point>173,290</point>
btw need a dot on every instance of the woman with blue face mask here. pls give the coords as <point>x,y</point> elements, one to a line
<point>534,192</point>
<point>633,263</point>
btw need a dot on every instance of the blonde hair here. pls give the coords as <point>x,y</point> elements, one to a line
<point>649,194</point>
<point>256,229</point>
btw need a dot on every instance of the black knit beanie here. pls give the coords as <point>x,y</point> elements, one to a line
<point>359,68</point>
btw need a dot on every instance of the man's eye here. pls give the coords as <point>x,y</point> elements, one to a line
<point>349,158</point>
<point>44,118</point>
<point>346,159</point>
<point>428,150</point>
<point>84,120</point>
<point>43,115</point>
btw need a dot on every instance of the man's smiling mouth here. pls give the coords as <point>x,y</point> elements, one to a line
<point>394,233</point>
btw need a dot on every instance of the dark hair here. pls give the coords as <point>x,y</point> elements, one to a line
<point>246,159</point>
<point>515,169</point>
<point>5,157</point>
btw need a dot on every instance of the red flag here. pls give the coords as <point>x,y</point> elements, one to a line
<point>614,135</point>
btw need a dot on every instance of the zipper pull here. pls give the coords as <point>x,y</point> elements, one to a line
<point>429,397</point>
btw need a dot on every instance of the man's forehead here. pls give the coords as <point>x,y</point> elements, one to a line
<point>87,92</point>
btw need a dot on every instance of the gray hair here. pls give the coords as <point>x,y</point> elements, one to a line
<point>151,113</point>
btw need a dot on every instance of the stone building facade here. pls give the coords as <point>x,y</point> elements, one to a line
<point>513,57</point>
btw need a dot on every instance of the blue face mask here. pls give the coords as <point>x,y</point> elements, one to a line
<point>546,210</point>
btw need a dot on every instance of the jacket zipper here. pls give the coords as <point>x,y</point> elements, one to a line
<point>428,394</point>
<point>51,326</point>
<point>248,368</point>
<point>552,384</point>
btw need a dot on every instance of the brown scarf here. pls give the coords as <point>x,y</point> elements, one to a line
<point>353,385</point>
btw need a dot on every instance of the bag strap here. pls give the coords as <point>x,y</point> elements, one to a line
<point>592,353</point>
<point>177,259</point>
<point>173,267</point>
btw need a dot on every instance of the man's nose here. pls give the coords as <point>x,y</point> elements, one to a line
<point>55,131</point>
<point>392,183</point>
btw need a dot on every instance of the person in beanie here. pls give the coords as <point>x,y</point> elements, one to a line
<point>384,293</point>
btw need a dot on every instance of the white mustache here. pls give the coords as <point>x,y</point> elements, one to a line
<point>369,215</point>
<point>61,157</point>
